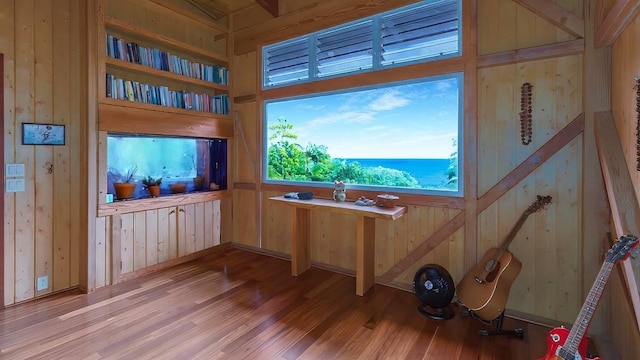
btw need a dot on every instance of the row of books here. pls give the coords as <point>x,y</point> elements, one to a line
<point>161,60</point>
<point>161,95</point>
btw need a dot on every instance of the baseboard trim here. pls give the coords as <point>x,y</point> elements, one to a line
<point>167,264</point>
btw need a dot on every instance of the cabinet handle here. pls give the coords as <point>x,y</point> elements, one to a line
<point>172,212</point>
<point>181,210</point>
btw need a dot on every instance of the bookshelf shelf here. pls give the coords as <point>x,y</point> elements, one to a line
<point>160,74</point>
<point>118,27</point>
<point>131,117</point>
<point>162,71</point>
<point>167,109</point>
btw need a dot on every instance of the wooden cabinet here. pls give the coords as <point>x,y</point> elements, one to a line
<point>155,236</point>
<point>130,244</point>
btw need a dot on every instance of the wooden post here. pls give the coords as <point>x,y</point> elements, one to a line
<point>300,242</point>
<point>365,253</point>
<point>2,197</point>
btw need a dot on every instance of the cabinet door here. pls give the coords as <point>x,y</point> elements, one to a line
<point>198,227</point>
<point>155,236</point>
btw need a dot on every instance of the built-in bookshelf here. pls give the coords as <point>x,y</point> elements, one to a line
<point>147,71</point>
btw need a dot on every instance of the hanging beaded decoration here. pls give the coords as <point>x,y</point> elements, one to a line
<point>637,87</point>
<point>526,123</point>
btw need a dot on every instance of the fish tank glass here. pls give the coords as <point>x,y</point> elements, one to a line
<point>183,164</point>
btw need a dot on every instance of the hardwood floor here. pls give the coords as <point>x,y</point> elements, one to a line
<point>237,304</point>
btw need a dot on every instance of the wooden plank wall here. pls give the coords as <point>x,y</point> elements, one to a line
<point>43,62</point>
<point>625,67</point>
<point>550,244</point>
<point>151,16</point>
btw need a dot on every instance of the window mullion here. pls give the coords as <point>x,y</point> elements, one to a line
<point>313,57</point>
<point>377,43</point>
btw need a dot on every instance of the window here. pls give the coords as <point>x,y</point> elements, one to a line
<point>199,164</point>
<point>400,136</point>
<point>425,31</point>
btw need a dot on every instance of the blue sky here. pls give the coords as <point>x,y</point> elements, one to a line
<point>417,120</point>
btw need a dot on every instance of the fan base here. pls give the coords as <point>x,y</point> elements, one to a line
<point>442,313</point>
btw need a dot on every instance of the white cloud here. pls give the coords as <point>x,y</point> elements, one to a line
<point>388,101</point>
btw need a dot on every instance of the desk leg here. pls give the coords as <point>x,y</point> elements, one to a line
<point>365,254</point>
<point>300,241</point>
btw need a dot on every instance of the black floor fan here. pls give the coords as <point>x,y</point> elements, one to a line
<point>435,289</point>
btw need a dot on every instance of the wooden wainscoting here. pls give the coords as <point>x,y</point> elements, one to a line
<point>238,304</point>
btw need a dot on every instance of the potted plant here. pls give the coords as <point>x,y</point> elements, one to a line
<point>178,188</point>
<point>152,185</point>
<point>122,183</point>
<point>198,182</point>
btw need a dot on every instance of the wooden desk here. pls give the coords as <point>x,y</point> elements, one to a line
<point>365,234</point>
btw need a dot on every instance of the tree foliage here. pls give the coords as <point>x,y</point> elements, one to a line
<point>288,160</point>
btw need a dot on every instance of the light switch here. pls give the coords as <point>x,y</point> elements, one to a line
<point>14,170</point>
<point>14,185</point>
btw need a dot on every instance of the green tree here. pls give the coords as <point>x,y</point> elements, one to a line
<point>319,165</point>
<point>390,177</point>
<point>286,158</point>
<point>452,170</point>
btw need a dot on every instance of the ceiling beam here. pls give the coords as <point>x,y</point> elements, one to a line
<point>571,47</point>
<point>556,15</point>
<point>271,6</point>
<point>618,18</point>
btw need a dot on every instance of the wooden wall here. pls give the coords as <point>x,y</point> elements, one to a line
<point>625,67</point>
<point>41,42</point>
<point>553,244</point>
<point>52,51</point>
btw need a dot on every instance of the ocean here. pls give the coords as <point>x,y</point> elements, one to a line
<point>426,171</point>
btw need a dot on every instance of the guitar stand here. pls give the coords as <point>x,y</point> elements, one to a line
<point>519,332</point>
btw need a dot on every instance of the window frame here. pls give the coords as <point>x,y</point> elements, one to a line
<point>376,21</point>
<point>459,75</point>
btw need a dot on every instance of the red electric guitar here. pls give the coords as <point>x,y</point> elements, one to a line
<point>563,344</point>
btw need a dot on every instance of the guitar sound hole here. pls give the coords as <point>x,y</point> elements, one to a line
<point>491,264</point>
<point>493,273</point>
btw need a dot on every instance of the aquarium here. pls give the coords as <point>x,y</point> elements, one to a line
<point>179,164</point>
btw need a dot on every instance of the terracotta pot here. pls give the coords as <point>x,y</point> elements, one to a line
<point>154,190</point>
<point>387,201</point>
<point>178,188</point>
<point>198,182</point>
<point>124,190</point>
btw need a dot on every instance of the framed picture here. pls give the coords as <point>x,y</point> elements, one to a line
<point>42,134</point>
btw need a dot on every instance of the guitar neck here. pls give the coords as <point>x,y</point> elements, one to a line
<point>588,308</point>
<point>512,234</point>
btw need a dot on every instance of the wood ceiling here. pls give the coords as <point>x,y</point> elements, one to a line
<point>217,9</point>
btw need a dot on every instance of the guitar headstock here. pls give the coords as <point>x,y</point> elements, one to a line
<point>539,204</point>
<point>621,249</point>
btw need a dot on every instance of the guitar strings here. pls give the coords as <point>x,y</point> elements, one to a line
<point>637,87</point>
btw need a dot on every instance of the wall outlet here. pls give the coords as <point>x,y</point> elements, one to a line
<point>14,185</point>
<point>43,283</point>
<point>14,170</point>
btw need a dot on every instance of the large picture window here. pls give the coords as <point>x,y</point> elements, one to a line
<point>403,136</point>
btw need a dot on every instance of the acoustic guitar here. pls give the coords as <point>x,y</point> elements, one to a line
<point>485,288</point>
<point>563,344</point>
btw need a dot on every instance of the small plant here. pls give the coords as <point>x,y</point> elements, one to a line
<point>119,177</point>
<point>149,181</point>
